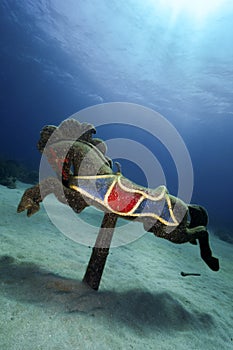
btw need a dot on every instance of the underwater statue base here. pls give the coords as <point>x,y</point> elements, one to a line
<point>100,251</point>
<point>84,177</point>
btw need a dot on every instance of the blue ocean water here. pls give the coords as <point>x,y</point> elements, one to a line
<point>59,57</point>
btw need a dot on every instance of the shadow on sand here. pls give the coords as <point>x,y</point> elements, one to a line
<point>28,283</point>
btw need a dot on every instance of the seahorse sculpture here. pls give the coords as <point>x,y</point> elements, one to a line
<point>84,176</point>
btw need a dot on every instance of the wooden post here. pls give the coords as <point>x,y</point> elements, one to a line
<point>100,251</point>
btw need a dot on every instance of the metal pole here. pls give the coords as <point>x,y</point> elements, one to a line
<point>100,251</point>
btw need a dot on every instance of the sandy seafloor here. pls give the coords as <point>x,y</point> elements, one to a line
<point>143,301</point>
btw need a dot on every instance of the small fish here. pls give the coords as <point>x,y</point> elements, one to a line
<point>184,274</point>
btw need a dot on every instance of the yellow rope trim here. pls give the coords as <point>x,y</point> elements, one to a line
<point>170,209</point>
<point>140,191</point>
<point>94,177</point>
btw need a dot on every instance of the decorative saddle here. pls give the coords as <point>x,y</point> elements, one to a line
<point>120,196</point>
